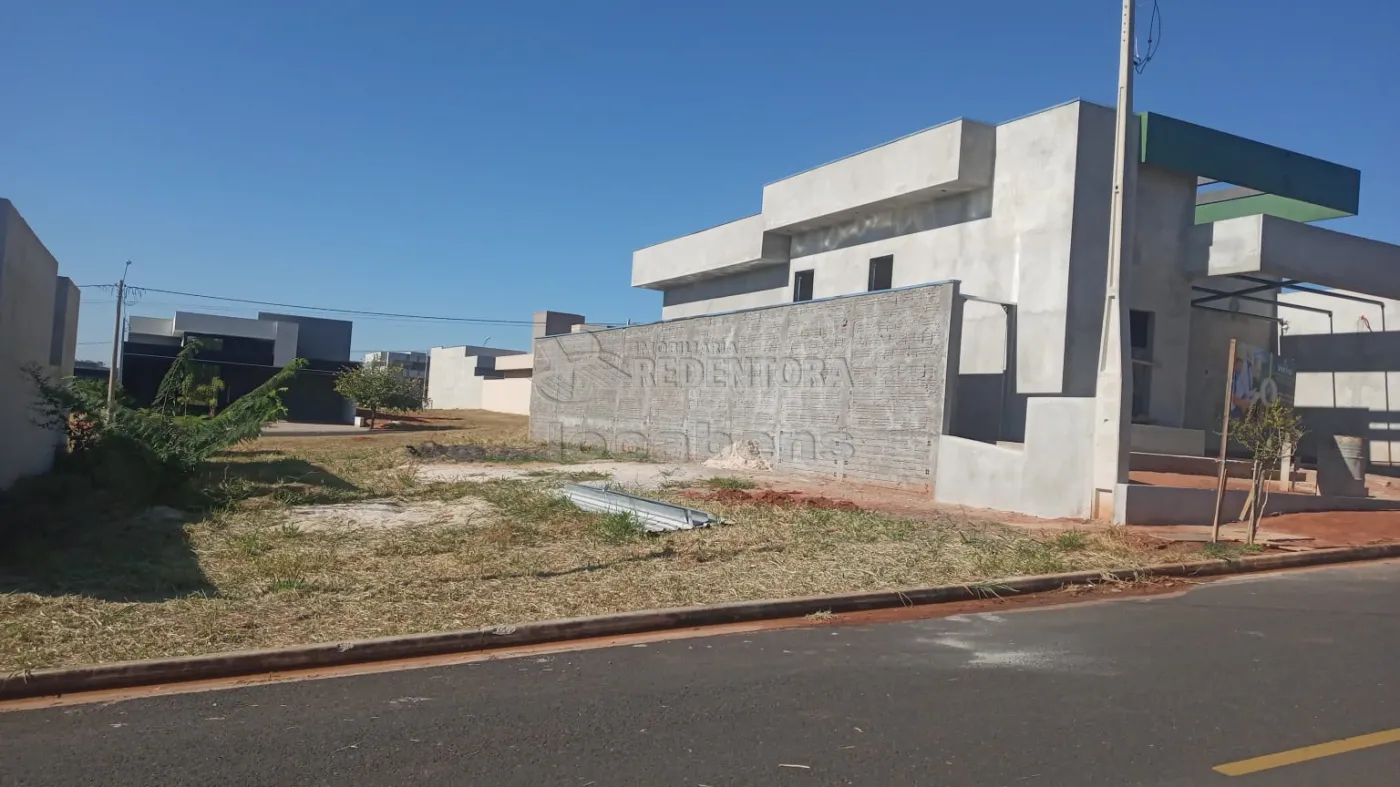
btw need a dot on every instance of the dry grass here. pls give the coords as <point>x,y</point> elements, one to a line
<point>243,577</point>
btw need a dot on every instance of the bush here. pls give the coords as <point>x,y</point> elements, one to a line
<point>135,455</point>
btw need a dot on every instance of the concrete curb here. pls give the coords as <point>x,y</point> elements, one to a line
<point>227,665</point>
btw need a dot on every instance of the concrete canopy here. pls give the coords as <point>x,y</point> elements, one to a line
<point>1268,246</point>
<point>1265,179</point>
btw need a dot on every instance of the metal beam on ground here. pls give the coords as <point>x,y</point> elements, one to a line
<point>654,516</point>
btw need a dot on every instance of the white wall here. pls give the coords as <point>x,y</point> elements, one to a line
<point>507,395</point>
<point>28,287</point>
<point>452,380</point>
<point>151,326</point>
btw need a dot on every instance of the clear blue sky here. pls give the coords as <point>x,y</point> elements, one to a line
<point>491,159</point>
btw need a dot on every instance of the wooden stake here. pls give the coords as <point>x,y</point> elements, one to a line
<point>1224,444</point>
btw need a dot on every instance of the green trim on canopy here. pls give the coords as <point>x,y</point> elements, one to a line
<point>1295,186</point>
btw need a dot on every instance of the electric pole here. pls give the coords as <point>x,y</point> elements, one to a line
<point>1113,392</point>
<point>116,341</point>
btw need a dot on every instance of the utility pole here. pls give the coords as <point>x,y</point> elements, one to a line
<point>1113,392</point>
<point>116,341</point>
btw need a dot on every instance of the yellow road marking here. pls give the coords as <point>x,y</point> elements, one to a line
<point>1317,751</point>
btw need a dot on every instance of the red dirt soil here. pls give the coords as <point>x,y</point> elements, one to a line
<point>1152,478</point>
<point>1338,528</point>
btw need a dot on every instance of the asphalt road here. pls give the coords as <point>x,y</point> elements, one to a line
<point>1155,691</point>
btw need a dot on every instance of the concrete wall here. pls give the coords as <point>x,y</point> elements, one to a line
<point>284,334</point>
<point>1048,475</point>
<point>1152,439</point>
<point>63,346</point>
<point>953,157</point>
<point>731,248</point>
<point>1348,370</point>
<point>453,382</point>
<point>548,323</point>
<point>766,286</point>
<point>222,325</point>
<point>1142,504</point>
<point>1208,360</point>
<point>1271,246</point>
<point>851,387</point>
<point>1015,249</point>
<point>506,395</point>
<point>35,313</point>
<point>150,327</point>
<point>317,338</point>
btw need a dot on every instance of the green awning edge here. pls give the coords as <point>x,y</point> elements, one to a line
<point>1269,204</point>
<point>1295,186</point>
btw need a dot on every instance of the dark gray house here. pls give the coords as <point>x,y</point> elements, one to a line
<point>247,352</point>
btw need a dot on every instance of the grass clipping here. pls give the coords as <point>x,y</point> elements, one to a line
<point>262,583</point>
<point>244,575</point>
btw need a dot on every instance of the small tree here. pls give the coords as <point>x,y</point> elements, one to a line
<point>378,387</point>
<point>205,393</point>
<point>176,444</point>
<point>1269,432</point>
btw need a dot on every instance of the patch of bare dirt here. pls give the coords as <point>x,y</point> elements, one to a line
<point>386,514</point>
<point>1339,528</point>
<point>1188,481</point>
<point>773,497</point>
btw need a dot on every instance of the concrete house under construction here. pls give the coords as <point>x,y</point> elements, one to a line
<point>927,312</point>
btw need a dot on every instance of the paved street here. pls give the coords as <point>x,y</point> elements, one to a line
<point>1156,691</point>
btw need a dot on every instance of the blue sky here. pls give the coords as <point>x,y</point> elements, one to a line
<point>489,159</point>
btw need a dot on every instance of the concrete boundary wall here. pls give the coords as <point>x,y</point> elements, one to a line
<point>1140,504</point>
<point>38,323</point>
<point>853,387</point>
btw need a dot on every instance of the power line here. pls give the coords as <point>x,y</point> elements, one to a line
<point>219,362</point>
<point>473,320</point>
<point>358,312</point>
<point>1154,39</point>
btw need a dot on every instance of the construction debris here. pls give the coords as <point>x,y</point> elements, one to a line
<point>743,455</point>
<point>655,516</point>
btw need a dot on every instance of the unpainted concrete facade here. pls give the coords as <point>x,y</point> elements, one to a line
<point>456,374</point>
<point>38,328</point>
<point>853,387</point>
<point>1348,363</point>
<point>1017,213</point>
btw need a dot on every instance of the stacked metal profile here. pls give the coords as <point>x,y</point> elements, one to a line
<point>654,516</point>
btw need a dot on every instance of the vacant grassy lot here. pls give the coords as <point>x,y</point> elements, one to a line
<point>239,572</point>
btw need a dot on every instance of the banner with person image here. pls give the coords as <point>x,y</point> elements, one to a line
<point>1261,377</point>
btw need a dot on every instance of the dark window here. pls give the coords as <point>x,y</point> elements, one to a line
<point>213,344</point>
<point>1139,328</point>
<point>881,273</point>
<point>802,286</point>
<point>1140,340</point>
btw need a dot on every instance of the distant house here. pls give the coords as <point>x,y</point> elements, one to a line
<point>413,364</point>
<point>246,352</point>
<point>469,377</point>
<point>91,370</point>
